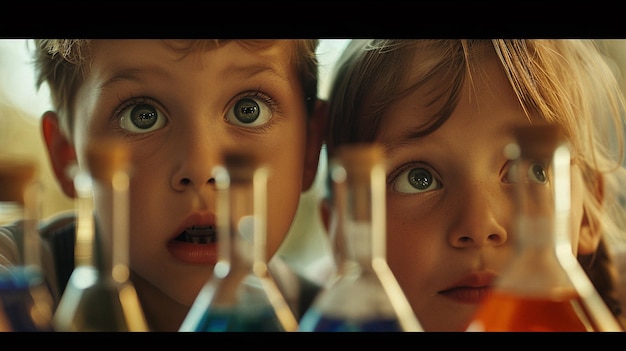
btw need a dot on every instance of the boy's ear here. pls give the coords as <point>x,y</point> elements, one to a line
<point>61,151</point>
<point>314,140</point>
<point>590,231</point>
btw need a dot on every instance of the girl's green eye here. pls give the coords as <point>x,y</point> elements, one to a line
<point>537,173</point>
<point>415,180</point>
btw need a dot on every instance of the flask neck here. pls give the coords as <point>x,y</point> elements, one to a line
<point>241,222</point>
<point>361,229</point>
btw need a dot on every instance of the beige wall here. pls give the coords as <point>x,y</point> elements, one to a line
<point>20,137</point>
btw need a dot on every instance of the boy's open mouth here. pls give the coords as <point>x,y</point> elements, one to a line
<point>198,235</point>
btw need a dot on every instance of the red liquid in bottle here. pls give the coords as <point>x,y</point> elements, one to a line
<point>507,312</point>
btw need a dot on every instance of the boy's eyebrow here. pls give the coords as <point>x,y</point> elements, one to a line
<point>125,74</point>
<point>132,73</point>
<point>251,70</point>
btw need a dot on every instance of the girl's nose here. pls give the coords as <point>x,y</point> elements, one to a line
<point>478,221</point>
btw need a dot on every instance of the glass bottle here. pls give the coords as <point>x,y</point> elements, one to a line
<point>364,296</point>
<point>99,295</point>
<point>543,288</point>
<point>241,295</point>
<point>25,297</point>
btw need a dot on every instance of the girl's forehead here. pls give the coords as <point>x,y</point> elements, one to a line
<point>486,96</point>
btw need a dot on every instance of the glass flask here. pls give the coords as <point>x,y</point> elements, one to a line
<point>364,295</point>
<point>241,295</point>
<point>99,295</point>
<point>25,298</point>
<point>543,288</point>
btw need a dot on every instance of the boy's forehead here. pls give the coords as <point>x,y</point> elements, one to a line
<point>179,48</point>
<point>184,47</point>
<point>109,57</point>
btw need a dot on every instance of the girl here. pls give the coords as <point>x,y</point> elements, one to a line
<point>444,111</point>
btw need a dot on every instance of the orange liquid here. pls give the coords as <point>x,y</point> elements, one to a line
<point>506,312</point>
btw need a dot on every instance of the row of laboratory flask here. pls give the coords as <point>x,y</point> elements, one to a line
<point>543,289</point>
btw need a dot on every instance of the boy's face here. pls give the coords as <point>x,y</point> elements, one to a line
<point>178,114</point>
<point>448,242</point>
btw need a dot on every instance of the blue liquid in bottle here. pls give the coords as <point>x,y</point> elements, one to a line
<point>20,289</point>
<point>317,322</point>
<point>238,319</point>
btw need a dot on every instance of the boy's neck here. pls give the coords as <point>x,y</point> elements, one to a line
<point>162,313</point>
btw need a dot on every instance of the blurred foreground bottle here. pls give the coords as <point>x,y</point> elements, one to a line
<point>364,296</point>
<point>26,304</point>
<point>241,295</point>
<point>99,295</point>
<point>544,288</point>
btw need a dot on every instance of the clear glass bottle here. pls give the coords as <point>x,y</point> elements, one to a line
<point>241,295</point>
<point>25,297</point>
<point>99,295</point>
<point>364,296</point>
<point>544,288</point>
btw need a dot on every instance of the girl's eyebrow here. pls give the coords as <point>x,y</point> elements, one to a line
<point>404,139</point>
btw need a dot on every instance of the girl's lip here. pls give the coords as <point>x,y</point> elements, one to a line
<point>467,295</point>
<point>471,288</point>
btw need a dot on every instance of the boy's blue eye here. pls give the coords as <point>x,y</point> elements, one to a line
<point>141,118</point>
<point>249,112</point>
<point>415,180</point>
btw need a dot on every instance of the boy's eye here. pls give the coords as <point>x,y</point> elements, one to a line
<point>249,112</point>
<point>415,180</point>
<point>141,118</point>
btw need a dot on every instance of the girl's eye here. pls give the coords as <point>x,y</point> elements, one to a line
<point>249,112</point>
<point>141,118</point>
<point>537,174</point>
<point>415,180</point>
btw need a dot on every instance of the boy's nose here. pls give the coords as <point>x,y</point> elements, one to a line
<point>187,182</point>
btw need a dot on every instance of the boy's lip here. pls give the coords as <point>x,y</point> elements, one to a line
<point>203,249</point>
<point>472,288</point>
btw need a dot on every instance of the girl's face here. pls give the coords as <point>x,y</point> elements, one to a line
<point>448,240</point>
<point>178,114</point>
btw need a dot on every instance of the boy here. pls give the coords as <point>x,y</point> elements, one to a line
<point>178,105</point>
